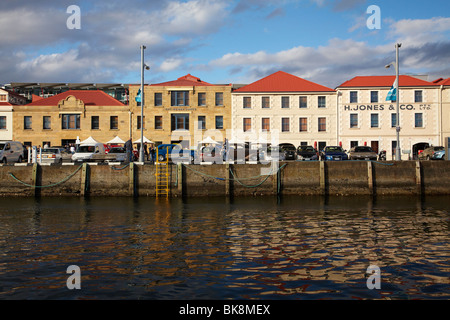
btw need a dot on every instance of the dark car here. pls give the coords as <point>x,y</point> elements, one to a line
<point>333,153</point>
<point>307,153</point>
<point>175,153</point>
<point>289,151</point>
<point>431,153</point>
<point>362,153</point>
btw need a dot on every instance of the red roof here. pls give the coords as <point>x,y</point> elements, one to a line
<point>442,82</point>
<point>283,82</point>
<point>2,104</point>
<point>185,81</point>
<point>89,98</point>
<point>384,81</point>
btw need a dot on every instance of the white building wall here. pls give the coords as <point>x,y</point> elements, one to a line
<point>276,113</point>
<point>385,134</point>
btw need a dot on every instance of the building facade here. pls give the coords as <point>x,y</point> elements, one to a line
<point>444,101</point>
<point>75,114</point>
<point>185,110</point>
<point>8,100</point>
<point>296,110</point>
<point>366,118</point>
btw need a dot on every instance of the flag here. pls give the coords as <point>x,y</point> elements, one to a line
<point>138,97</point>
<point>392,94</point>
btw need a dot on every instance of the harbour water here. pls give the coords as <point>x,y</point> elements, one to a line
<point>304,248</point>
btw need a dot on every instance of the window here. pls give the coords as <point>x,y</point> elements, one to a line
<point>180,121</point>
<point>114,122</point>
<point>303,102</point>
<point>158,99</point>
<point>46,123</point>
<point>202,99</point>
<point>219,122</point>
<point>158,122</point>
<point>418,120</point>
<point>353,144</point>
<point>247,102</point>
<point>70,121</point>
<point>265,102</point>
<point>353,96</point>
<point>247,124</point>
<point>95,122</point>
<point>353,120</point>
<point>27,122</point>
<point>138,123</point>
<point>374,120</point>
<point>2,122</point>
<point>2,97</point>
<point>322,102</point>
<point>285,125</point>
<point>265,124</point>
<point>418,96</point>
<point>219,98</point>
<point>201,122</point>
<point>180,98</point>
<point>373,96</point>
<point>393,120</point>
<point>303,124</point>
<point>285,102</point>
<point>322,124</point>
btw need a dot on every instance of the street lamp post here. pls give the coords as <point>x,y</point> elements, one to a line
<point>397,92</point>
<point>143,67</point>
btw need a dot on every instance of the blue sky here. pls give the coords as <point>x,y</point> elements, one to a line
<point>220,41</point>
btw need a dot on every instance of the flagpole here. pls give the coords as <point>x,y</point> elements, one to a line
<point>398,149</point>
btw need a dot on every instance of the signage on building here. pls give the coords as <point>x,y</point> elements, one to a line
<point>391,107</point>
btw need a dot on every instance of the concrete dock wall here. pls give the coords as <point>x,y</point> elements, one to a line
<point>289,178</point>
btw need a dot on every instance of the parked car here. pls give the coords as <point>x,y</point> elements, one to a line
<point>429,153</point>
<point>241,152</point>
<point>289,150</point>
<point>11,151</point>
<point>438,155</point>
<point>273,153</point>
<point>120,153</point>
<point>362,153</point>
<point>54,155</point>
<point>89,152</point>
<point>335,153</point>
<point>175,153</point>
<point>307,153</point>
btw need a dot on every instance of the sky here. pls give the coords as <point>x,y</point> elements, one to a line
<point>220,41</point>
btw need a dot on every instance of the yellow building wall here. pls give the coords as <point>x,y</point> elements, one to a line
<point>194,135</point>
<point>37,134</point>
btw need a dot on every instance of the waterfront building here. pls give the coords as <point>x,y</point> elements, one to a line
<point>444,115</point>
<point>299,111</point>
<point>31,90</point>
<point>185,110</point>
<point>366,118</point>
<point>60,119</point>
<point>8,100</point>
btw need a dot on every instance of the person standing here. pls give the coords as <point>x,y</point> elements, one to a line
<point>129,149</point>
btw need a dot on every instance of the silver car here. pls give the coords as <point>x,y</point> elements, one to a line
<point>54,155</point>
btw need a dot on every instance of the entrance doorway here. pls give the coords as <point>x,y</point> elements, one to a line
<point>374,145</point>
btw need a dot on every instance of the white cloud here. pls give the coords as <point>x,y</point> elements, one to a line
<point>421,31</point>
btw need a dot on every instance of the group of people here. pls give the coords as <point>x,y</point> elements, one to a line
<point>149,151</point>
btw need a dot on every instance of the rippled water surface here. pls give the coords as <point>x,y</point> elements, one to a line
<point>249,248</point>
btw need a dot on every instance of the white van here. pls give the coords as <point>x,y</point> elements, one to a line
<point>88,152</point>
<point>11,151</point>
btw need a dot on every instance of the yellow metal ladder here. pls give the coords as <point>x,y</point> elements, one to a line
<point>162,176</point>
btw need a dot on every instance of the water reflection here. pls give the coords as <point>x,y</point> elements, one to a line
<point>286,248</point>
